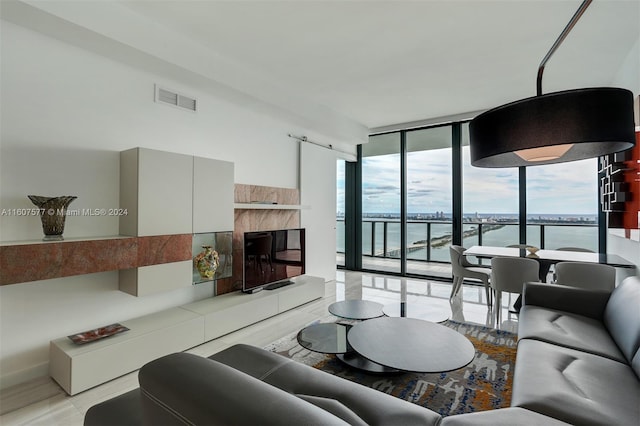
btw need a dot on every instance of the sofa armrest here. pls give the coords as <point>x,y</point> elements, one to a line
<point>589,303</point>
<point>182,388</point>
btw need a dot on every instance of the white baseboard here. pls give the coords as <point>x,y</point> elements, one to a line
<point>22,376</point>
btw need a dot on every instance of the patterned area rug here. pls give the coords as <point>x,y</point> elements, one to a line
<point>485,384</point>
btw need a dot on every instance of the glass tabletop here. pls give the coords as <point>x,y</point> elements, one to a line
<point>326,338</point>
<point>552,256</point>
<point>356,309</point>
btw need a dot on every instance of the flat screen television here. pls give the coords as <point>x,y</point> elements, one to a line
<point>272,258</point>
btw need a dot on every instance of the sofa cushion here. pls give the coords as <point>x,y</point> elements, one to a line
<point>574,386</point>
<point>371,406</point>
<point>569,330</point>
<point>622,316</point>
<point>502,417</point>
<point>248,359</point>
<point>334,407</point>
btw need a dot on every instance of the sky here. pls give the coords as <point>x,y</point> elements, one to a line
<point>565,188</point>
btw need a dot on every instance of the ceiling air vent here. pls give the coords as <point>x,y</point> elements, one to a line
<point>172,98</point>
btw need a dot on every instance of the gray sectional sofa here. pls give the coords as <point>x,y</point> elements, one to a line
<point>578,356</point>
<point>578,362</point>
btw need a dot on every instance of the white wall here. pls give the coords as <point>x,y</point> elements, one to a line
<point>66,114</point>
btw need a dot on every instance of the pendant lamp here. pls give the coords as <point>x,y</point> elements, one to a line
<point>554,127</point>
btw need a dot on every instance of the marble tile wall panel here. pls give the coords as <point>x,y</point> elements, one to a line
<point>29,262</point>
<point>33,262</point>
<point>242,193</point>
<point>288,196</point>
<point>97,256</point>
<point>267,194</point>
<point>258,220</point>
<point>164,249</point>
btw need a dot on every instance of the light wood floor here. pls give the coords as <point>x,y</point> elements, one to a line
<point>43,402</point>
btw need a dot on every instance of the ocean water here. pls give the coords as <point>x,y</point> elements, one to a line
<point>555,237</point>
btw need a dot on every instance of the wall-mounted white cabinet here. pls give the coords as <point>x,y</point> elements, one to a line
<point>153,279</point>
<point>167,193</point>
<point>212,195</point>
<point>171,194</point>
<point>156,189</point>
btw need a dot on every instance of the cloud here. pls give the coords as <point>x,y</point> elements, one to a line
<point>383,188</point>
<point>566,188</point>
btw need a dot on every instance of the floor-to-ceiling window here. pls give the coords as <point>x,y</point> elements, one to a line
<point>422,180</point>
<point>381,190</point>
<point>562,205</point>
<point>429,200</point>
<point>490,202</point>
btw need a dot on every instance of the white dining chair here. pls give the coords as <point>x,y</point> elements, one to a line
<point>577,249</point>
<point>461,268</point>
<point>509,274</point>
<point>592,276</point>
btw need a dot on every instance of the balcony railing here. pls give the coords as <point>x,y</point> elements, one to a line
<point>427,239</point>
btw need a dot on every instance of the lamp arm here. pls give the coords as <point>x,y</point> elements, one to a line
<point>558,42</point>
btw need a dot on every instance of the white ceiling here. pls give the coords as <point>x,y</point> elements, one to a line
<point>386,62</point>
<point>343,68</point>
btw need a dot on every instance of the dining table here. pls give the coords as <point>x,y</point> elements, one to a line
<point>546,258</point>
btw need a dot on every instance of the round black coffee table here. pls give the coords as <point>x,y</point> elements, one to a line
<point>410,344</point>
<point>356,309</point>
<point>417,311</point>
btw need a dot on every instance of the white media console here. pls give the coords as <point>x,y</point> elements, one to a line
<point>80,367</point>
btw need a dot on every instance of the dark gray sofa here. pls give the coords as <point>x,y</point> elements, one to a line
<point>245,385</point>
<point>567,370</point>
